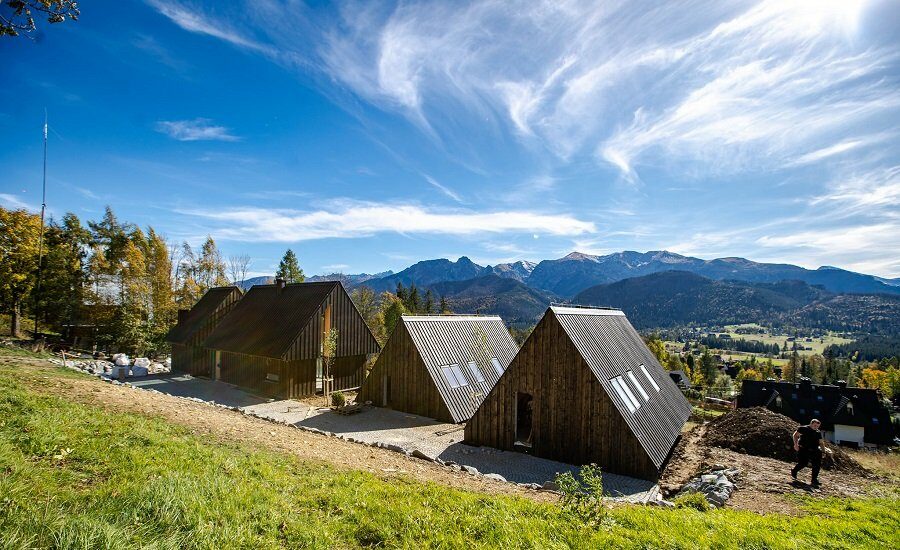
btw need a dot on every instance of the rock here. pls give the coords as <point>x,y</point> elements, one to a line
<point>139,371</point>
<point>471,470</point>
<point>495,477</point>
<point>550,486</point>
<point>533,486</point>
<point>419,454</point>
<point>395,448</point>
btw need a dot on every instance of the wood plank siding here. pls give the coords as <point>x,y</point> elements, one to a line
<point>272,342</point>
<point>409,374</point>
<point>187,337</point>
<point>574,419</point>
<point>400,381</point>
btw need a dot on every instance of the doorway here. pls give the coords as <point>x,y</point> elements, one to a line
<point>524,419</point>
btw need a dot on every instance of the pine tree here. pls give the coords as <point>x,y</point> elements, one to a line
<point>64,273</point>
<point>413,304</point>
<point>401,293</point>
<point>444,306</point>
<point>289,268</point>
<point>428,305</point>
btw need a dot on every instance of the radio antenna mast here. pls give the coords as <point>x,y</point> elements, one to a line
<point>41,241</point>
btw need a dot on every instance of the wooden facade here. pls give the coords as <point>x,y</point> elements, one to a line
<point>408,375</point>
<point>551,402</point>
<point>187,337</point>
<point>272,343</point>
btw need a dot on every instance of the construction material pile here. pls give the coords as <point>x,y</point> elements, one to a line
<point>761,432</point>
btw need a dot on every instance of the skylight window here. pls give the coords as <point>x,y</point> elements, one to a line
<point>634,381</point>
<point>625,394</point>
<point>649,378</point>
<point>497,366</point>
<point>476,372</point>
<point>454,376</point>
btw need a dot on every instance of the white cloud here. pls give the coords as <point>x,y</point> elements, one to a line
<point>13,202</point>
<point>352,219</point>
<point>198,129</point>
<point>442,188</point>
<point>193,20</point>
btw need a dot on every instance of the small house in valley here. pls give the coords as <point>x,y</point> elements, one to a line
<point>849,416</point>
<point>583,389</point>
<point>440,366</point>
<point>194,325</point>
<point>272,341</point>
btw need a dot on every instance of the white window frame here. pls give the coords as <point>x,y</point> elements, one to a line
<point>476,372</point>
<point>649,378</point>
<point>454,375</point>
<point>497,366</point>
<point>637,385</point>
<point>623,393</point>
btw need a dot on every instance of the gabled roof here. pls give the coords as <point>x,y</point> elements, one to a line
<point>443,340</point>
<point>267,320</point>
<point>200,314</point>
<point>612,348</point>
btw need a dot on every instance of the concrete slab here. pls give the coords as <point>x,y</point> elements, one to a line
<point>185,385</point>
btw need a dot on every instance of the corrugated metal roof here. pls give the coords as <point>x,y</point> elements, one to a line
<point>267,320</point>
<point>612,348</point>
<point>198,315</point>
<point>446,339</point>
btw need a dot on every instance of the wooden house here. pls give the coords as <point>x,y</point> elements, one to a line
<point>584,389</point>
<point>850,416</point>
<point>194,325</point>
<point>440,366</point>
<point>272,341</point>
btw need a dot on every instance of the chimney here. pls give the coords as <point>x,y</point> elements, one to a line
<point>841,384</point>
<point>280,284</point>
<point>182,315</point>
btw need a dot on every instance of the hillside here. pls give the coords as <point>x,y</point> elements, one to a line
<point>510,299</point>
<point>678,297</point>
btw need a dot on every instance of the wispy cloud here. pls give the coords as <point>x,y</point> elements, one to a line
<point>14,202</point>
<point>193,20</point>
<point>442,188</point>
<point>198,129</point>
<point>353,219</point>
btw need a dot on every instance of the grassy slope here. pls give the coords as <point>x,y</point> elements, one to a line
<point>79,477</point>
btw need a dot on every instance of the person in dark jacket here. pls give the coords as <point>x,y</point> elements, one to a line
<point>809,444</point>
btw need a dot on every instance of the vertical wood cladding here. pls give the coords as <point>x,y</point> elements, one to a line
<point>573,418</point>
<point>187,339</point>
<point>296,368</point>
<point>400,368</point>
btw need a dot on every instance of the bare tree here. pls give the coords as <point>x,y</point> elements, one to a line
<point>18,15</point>
<point>237,269</point>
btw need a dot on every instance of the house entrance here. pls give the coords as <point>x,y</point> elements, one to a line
<point>524,428</point>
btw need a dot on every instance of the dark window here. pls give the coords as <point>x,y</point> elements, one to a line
<point>524,407</point>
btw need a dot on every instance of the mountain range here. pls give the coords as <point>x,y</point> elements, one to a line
<point>657,288</point>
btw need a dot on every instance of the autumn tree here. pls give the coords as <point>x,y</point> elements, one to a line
<point>210,270</point>
<point>392,309</point>
<point>289,268</point>
<point>364,299</point>
<point>158,272</point>
<point>658,348</point>
<point>65,272</point>
<point>19,235</point>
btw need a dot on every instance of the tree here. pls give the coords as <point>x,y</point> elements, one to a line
<point>708,367</point>
<point>876,379</point>
<point>18,15</point>
<point>19,235</point>
<point>658,348</point>
<point>329,350</point>
<point>444,306</point>
<point>747,374</point>
<point>428,304</point>
<point>401,292</point>
<point>237,269</point>
<point>210,266</point>
<point>392,309</point>
<point>62,293</point>
<point>673,362</point>
<point>791,371</point>
<point>158,266</point>
<point>134,310</point>
<point>364,299</point>
<point>289,269</point>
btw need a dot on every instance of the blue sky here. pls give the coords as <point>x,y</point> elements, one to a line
<point>370,135</point>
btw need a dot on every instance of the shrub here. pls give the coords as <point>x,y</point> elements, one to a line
<point>692,500</point>
<point>338,399</point>
<point>583,498</point>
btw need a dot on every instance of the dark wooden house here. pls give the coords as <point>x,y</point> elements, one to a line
<point>849,416</point>
<point>440,366</point>
<point>271,342</point>
<point>194,325</point>
<point>584,389</point>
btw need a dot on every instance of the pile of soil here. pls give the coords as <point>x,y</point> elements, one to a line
<point>761,432</point>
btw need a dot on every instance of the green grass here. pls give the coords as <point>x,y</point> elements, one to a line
<point>75,476</point>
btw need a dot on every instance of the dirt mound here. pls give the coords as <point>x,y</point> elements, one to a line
<point>761,432</point>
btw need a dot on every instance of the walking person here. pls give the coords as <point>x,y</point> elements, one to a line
<point>809,444</point>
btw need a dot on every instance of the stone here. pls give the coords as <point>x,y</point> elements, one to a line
<point>550,486</point>
<point>495,477</point>
<point>419,454</point>
<point>471,470</point>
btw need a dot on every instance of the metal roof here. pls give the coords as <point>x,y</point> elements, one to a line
<point>200,314</point>
<point>612,348</point>
<point>446,340</point>
<point>267,320</point>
